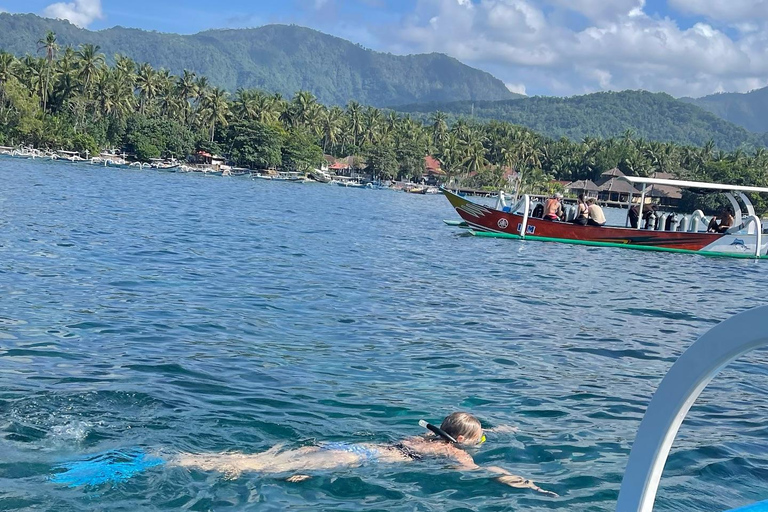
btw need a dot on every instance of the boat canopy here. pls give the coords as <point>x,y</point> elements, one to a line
<point>693,184</point>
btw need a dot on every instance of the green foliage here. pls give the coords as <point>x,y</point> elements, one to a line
<point>149,138</point>
<point>277,58</point>
<point>300,153</point>
<point>255,144</point>
<point>84,104</point>
<point>749,110</point>
<point>84,143</point>
<point>382,161</point>
<point>651,116</point>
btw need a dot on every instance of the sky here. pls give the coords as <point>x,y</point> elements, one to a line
<point>537,47</point>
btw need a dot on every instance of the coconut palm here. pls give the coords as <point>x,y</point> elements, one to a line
<point>215,109</point>
<point>89,63</point>
<point>148,83</point>
<point>50,47</point>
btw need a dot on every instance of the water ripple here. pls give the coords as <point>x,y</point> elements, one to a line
<point>186,313</point>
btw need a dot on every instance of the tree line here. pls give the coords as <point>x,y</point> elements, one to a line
<point>71,99</point>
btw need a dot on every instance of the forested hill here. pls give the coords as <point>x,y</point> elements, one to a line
<point>275,58</point>
<point>749,110</point>
<point>652,116</point>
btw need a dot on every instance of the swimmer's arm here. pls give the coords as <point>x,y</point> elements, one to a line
<point>519,482</point>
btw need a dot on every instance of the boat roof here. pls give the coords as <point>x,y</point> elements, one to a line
<point>693,184</point>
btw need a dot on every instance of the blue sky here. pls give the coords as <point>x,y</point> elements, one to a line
<point>563,47</point>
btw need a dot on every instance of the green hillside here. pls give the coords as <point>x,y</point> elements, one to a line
<point>749,110</point>
<point>652,116</point>
<point>275,58</point>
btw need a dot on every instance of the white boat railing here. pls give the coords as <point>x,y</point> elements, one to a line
<point>678,390</point>
<point>500,202</point>
<point>526,212</point>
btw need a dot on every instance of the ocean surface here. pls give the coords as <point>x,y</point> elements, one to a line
<point>184,313</point>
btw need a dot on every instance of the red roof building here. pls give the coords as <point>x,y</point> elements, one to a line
<point>432,165</point>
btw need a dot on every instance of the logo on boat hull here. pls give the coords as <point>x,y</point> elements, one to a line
<point>529,230</point>
<point>503,223</point>
<point>739,242</point>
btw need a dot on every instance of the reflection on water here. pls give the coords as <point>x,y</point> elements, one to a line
<point>178,312</point>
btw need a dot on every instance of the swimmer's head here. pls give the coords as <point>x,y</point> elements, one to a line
<point>464,428</point>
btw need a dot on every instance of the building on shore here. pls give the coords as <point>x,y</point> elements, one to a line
<point>585,187</point>
<point>615,190</point>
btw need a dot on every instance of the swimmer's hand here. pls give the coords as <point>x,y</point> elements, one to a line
<point>518,482</point>
<point>297,478</point>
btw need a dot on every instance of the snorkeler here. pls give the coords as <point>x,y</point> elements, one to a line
<point>458,430</point>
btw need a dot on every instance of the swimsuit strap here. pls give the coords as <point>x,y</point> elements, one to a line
<point>407,451</point>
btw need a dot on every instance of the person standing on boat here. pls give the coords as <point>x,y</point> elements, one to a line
<point>553,208</point>
<point>596,215</point>
<point>582,211</point>
<point>634,216</point>
<point>726,221</point>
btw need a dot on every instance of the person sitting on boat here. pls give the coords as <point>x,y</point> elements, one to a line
<point>596,215</point>
<point>553,208</point>
<point>726,221</point>
<point>457,432</point>
<point>538,211</point>
<point>582,211</point>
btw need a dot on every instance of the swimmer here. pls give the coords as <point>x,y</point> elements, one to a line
<point>458,430</point>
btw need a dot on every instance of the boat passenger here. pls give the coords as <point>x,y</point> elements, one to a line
<point>726,221</point>
<point>457,432</point>
<point>596,215</point>
<point>538,211</point>
<point>553,208</point>
<point>634,215</point>
<point>582,211</point>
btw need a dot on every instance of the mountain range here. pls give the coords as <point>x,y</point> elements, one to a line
<point>276,58</point>
<point>749,110</point>
<point>286,59</point>
<point>651,116</point>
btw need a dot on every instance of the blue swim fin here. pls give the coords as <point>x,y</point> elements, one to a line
<point>108,467</point>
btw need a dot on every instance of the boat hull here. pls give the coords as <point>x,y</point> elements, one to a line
<point>487,219</point>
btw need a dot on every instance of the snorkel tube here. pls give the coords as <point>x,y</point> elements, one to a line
<point>438,431</point>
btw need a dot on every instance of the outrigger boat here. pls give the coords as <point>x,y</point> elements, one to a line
<point>743,240</point>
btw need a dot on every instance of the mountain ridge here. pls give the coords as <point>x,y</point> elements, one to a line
<point>652,116</point>
<point>275,58</point>
<point>747,109</point>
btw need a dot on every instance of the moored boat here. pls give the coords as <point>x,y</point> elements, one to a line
<point>742,239</point>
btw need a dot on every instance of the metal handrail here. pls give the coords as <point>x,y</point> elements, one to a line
<point>526,212</point>
<point>674,397</point>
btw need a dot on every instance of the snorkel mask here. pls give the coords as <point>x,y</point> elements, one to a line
<point>445,435</point>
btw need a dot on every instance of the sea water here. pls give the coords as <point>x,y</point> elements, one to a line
<point>175,312</point>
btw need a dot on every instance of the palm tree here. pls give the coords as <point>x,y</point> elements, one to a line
<point>7,65</point>
<point>330,125</point>
<point>215,109</point>
<point>186,89</point>
<point>355,121</point>
<point>303,109</point>
<point>50,47</point>
<point>90,61</point>
<point>439,130</point>
<point>148,83</point>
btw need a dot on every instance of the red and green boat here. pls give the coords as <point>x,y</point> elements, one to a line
<point>743,240</point>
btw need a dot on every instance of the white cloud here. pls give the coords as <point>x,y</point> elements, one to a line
<point>601,9</point>
<point>80,12</point>
<point>516,88</point>
<point>725,10</point>
<point>619,47</point>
